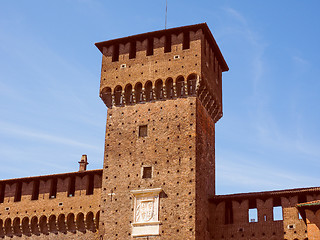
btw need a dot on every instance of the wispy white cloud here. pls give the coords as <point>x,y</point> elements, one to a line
<point>11,129</point>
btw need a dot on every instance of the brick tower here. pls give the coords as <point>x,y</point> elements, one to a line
<point>163,91</point>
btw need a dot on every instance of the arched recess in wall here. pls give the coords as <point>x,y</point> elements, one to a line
<point>61,223</point>
<point>97,219</point>
<point>7,227</point>
<point>128,94</point>
<point>16,226</point>
<point>25,226</point>
<point>1,229</point>
<point>43,225</point>
<point>80,223</point>
<point>34,226</point>
<point>71,223</point>
<point>118,96</point>
<point>169,88</point>
<point>138,92</point>
<point>148,91</point>
<point>159,89</point>
<point>90,221</point>
<point>106,96</point>
<point>52,224</point>
<point>191,84</point>
<point>180,86</point>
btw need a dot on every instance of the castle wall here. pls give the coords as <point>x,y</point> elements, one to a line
<point>230,215</point>
<point>49,207</point>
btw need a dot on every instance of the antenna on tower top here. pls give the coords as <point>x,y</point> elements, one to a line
<point>165,25</point>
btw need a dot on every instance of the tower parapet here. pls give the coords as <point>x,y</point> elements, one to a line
<point>166,64</point>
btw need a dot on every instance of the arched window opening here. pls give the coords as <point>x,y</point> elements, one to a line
<point>90,222</point>
<point>118,96</point>
<point>180,87</point>
<point>128,94</point>
<point>70,223</point>
<point>1,229</point>
<point>106,96</point>
<point>61,223</point>
<point>148,91</point>
<point>138,92</point>
<point>43,225</point>
<point>80,222</point>
<point>34,226</point>
<point>97,219</point>
<point>7,227</point>
<point>191,84</point>
<point>52,224</point>
<point>16,226</point>
<point>159,89</point>
<point>25,226</point>
<point>169,88</point>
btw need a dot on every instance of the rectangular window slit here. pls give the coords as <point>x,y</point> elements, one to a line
<point>90,185</point>
<point>17,196</point>
<point>2,191</point>
<point>167,44</point>
<point>143,131</point>
<point>72,186</point>
<point>53,188</point>
<point>35,190</point>
<point>133,50</point>
<point>147,172</point>
<point>115,53</point>
<point>186,40</point>
<point>150,47</point>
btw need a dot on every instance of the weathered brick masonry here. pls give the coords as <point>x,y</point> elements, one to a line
<point>163,91</point>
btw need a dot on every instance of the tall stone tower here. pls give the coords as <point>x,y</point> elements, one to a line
<point>163,91</point>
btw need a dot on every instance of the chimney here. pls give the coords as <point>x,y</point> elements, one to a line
<point>83,163</point>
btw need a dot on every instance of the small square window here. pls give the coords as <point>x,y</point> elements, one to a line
<point>143,131</point>
<point>147,172</point>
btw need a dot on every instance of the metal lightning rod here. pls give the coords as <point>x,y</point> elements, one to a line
<point>165,26</point>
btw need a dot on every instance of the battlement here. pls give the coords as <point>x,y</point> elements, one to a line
<point>161,65</point>
<point>67,202</point>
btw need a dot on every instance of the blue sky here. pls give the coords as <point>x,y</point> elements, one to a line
<point>50,112</point>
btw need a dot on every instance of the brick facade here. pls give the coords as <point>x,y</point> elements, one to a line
<point>163,91</point>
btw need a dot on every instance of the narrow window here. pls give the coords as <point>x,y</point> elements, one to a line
<point>253,211</point>
<point>143,131</point>
<point>133,49</point>
<point>128,94</point>
<point>299,216</point>
<point>253,215</point>
<point>118,98</point>
<point>150,47</point>
<point>147,172</point>
<point>72,186</point>
<point>167,44</point>
<point>53,188</point>
<point>35,190</point>
<point>115,53</point>
<point>228,213</point>
<point>90,185</point>
<point>186,40</point>
<point>17,196</point>
<point>277,213</point>
<point>2,191</point>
